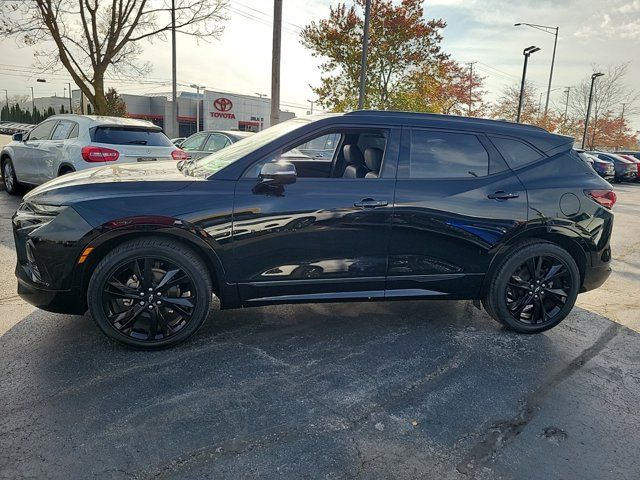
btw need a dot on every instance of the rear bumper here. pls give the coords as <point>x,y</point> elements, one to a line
<point>57,301</point>
<point>594,277</point>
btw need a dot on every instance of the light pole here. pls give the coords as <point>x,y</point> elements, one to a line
<point>586,122</point>
<point>363,60</point>
<point>551,31</point>
<point>276,50</point>
<point>526,52</point>
<point>6,97</point>
<point>197,87</point>
<point>311,102</point>
<point>70,106</point>
<point>175,126</point>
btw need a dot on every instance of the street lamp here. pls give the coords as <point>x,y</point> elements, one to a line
<point>586,122</point>
<point>33,102</point>
<point>197,87</point>
<point>526,52</point>
<point>311,102</point>
<point>551,31</point>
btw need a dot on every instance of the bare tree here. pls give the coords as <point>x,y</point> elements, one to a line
<point>92,37</point>
<point>610,93</point>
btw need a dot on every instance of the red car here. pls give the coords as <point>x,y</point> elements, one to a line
<point>632,157</point>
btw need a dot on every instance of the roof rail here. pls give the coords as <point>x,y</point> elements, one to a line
<point>458,118</point>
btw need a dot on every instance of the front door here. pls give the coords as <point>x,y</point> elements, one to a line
<point>324,236</point>
<point>30,166</point>
<point>456,201</point>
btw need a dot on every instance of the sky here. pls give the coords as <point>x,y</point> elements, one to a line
<point>592,33</point>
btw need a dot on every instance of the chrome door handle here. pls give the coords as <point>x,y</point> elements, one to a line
<point>370,203</point>
<point>500,195</point>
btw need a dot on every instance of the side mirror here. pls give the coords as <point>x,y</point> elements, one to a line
<point>17,137</point>
<point>278,173</point>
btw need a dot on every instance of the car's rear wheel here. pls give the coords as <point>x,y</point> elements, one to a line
<point>534,288</point>
<point>11,184</point>
<point>150,293</point>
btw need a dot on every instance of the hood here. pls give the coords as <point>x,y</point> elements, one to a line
<point>111,180</point>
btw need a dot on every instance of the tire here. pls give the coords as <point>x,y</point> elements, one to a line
<point>9,179</point>
<point>528,303</point>
<point>137,299</point>
<point>65,170</point>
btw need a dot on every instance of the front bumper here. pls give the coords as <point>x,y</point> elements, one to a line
<point>594,277</point>
<point>58,301</point>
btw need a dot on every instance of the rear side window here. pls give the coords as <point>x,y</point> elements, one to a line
<point>215,142</point>
<point>62,130</point>
<point>516,153</point>
<point>444,155</point>
<point>131,136</point>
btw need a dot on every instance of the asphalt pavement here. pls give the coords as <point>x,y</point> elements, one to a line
<point>361,390</point>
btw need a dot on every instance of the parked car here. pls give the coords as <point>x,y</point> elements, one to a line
<point>68,143</point>
<point>632,153</point>
<point>409,206</point>
<point>632,159</point>
<point>626,170</point>
<point>178,141</point>
<point>205,143</point>
<point>604,168</point>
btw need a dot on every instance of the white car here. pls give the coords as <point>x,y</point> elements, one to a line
<point>68,143</point>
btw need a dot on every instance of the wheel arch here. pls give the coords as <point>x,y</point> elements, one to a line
<point>105,243</point>
<point>563,237</point>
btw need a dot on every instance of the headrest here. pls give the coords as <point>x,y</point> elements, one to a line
<point>353,155</point>
<point>373,159</point>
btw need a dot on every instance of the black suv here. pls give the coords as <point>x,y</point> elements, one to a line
<point>404,206</point>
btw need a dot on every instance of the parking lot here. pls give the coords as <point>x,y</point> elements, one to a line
<point>362,390</point>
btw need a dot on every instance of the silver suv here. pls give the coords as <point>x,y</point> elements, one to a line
<point>68,143</point>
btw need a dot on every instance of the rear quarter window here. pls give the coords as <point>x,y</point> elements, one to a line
<point>516,153</point>
<point>131,136</point>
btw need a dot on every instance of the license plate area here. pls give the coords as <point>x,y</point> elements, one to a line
<point>147,159</point>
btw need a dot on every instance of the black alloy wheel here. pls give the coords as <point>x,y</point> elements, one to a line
<point>150,293</point>
<point>533,288</point>
<point>149,299</point>
<point>538,290</point>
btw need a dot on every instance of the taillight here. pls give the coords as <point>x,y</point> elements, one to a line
<point>179,155</point>
<point>606,198</point>
<point>99,154</point>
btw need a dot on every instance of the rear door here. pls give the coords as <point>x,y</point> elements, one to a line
<point>58,150</point>
<point>455,201</point>
<point>134,143</point>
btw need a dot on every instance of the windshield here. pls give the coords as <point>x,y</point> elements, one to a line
<point>217,161</point>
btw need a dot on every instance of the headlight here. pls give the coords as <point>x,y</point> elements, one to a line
<point>34,214</point>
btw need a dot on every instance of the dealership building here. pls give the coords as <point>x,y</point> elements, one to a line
<point>217,111</point>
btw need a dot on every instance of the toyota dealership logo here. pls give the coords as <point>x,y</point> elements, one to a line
<point>222,104</point>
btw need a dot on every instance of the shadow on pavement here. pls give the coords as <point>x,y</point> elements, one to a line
<point>368,390</point>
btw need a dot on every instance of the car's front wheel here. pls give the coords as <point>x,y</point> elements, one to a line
<point>534,288</point>
<point>11,184</point>
<point>150,293</point>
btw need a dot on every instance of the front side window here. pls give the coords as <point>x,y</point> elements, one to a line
<point>343,153</point>
<point>42,131</point>
<point>210,164</point>
<point>321,148</point>
<point>63,130</point>
<point>515,152</point>
<point>436,154</point>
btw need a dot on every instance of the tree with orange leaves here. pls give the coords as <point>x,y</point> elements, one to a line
<point>406,68</point>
